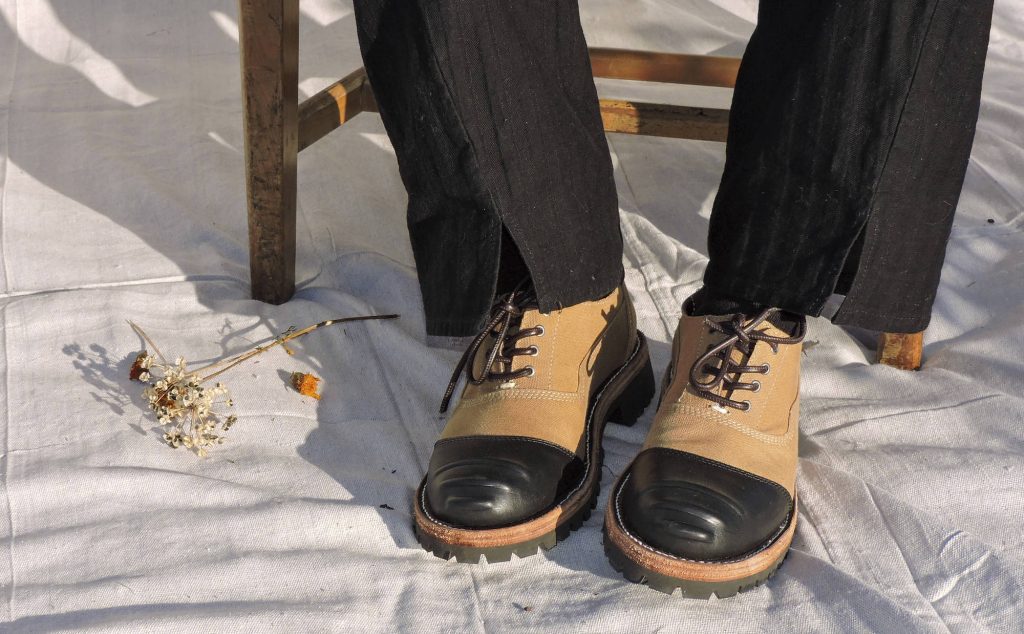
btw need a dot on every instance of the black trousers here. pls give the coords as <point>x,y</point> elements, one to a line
<point>850,132</point>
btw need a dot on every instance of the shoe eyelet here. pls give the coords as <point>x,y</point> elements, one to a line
<point>540,331</point>
<point>533,351</point>
<point>757,387</point>
<point>746,406</point>
<point>765,369</point>
<point>530,371</point>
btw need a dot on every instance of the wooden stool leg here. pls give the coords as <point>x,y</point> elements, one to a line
<point>269,40</point>
<point>901,351</point>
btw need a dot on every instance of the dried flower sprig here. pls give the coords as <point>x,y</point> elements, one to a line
<point>191,410</point>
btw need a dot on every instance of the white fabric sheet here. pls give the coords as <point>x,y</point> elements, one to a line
<point>122,198</point>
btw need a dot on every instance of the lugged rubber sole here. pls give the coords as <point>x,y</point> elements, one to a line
<point>622,399</point>
<point>641,563</point>
<point>496,554</point>
<point>636,573</point>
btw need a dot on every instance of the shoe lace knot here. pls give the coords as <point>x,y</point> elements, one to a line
<point>503,325</point>
<point>725,373</point>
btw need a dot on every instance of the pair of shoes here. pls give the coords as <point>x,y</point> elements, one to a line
<point>708,505</point>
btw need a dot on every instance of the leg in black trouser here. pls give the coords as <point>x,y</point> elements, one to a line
<point>849,137</point>
<point>493,114</point>
<point>850,132</point>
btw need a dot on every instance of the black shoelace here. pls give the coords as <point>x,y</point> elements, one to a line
<point>503,351</point>
<point>726,374</point>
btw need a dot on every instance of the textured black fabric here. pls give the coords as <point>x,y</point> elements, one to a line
<point>696,508</point>
<point>493,113</point>
<point>914,202</point>
<point>850,132</point>
<point>845,112</point>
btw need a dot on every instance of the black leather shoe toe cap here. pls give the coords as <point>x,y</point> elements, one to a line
<point>494,481</point>
<point>700,509</point>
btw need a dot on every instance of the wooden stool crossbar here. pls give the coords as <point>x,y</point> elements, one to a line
<point>278,127</point>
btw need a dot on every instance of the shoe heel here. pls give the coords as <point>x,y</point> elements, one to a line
<point>631,404</point>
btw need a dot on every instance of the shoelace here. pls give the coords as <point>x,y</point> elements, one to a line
<point>742,338</point>
<point>504,349</point>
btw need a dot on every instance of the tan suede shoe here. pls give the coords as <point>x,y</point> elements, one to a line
<point>709,503</point>
<point>518,464</point>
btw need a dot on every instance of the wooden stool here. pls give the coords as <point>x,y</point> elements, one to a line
<point>277,128</point>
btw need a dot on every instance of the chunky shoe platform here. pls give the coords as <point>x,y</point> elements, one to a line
<point>708,506</point>
<point>517,466</point>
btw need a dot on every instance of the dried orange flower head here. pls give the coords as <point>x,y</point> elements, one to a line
<point>306,384</point>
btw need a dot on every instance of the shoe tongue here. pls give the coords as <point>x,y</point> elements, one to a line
<point>787,324</point>
<point>782,323</point>
<point>776,325</point>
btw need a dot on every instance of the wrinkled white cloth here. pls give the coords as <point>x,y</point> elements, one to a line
<point>123,198</point>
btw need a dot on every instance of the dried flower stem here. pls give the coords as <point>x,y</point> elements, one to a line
<point>140,332</point>
<point>278,341</point>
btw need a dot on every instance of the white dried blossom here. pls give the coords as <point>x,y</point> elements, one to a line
<point>181,401</point>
